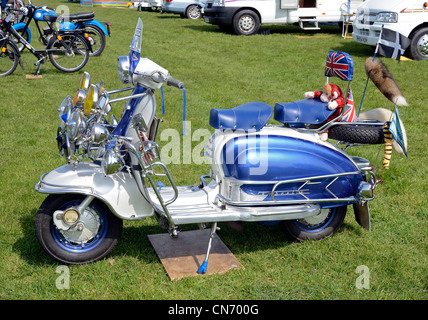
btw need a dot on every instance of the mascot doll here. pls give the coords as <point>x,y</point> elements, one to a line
<point>332,94</point>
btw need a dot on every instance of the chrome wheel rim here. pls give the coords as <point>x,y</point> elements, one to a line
<point>246,23</point>
<point>422,46</point>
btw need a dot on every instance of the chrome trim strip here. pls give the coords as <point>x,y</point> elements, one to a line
<point>281,202</point>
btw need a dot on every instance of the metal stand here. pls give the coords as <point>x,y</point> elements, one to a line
<point>203,268</point>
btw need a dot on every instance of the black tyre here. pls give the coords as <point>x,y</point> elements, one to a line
<point>325,224</point>
<point>9,58</point>
<point>246,22</point>
<point>73,56</point>
<point>193,12</point>
<point>419,45</point>
<point>99,235</point>
<point>357,134</point>
<point>97,39</point>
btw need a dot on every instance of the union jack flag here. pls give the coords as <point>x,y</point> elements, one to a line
<point>339,64</point>
<point>349,115</point>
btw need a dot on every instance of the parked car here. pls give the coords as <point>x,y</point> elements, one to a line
<point>191,9</point>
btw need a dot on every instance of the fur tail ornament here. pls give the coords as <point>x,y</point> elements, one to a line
<point>384,80</point>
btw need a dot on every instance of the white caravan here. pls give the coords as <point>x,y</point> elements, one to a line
<point>147,4</point>
<point>408,17</point>
<point>246,16</point>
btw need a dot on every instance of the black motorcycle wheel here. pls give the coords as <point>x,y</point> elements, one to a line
<point>69,59</point>
<point>99,236</point>
<point>9,58</point>
<point>318,227</point>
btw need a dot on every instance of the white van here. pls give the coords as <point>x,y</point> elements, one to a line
<point>408,17</point>
<point>245,16</point>
<point>147,4</point>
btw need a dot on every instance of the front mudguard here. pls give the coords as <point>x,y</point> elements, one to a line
<point>19,26</point>
<point>118,191</point>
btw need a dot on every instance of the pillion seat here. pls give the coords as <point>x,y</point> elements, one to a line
<point>313,111</point>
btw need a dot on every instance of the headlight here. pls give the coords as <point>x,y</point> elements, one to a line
<point>79,97</point>
<point>100,86</point>
<point>103,103</point>
<point>91,99</point>
<point>75,125</point>
<point>64,109</point>
<point>390,17</point>
<point>112,162</point>
<point>98,132</point>
<point>85,81</point>
<point>123,69</point>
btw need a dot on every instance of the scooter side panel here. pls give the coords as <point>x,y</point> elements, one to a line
<point>120,191</point>
<point>272,158</point>
<point>267,158</point>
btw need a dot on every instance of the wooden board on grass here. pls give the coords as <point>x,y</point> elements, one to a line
<point>182,256</point>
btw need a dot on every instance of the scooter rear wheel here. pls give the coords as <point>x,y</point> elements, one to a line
<point>318,227</point>
<point>99,235</point>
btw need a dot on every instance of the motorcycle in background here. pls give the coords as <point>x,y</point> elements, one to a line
<point>272,174</point>
<point>96,30</point>
<point>68,51</point>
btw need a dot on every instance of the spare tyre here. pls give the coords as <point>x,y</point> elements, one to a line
<point>357,133</point>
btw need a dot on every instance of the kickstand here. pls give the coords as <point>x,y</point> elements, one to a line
<point>39,64</point>
<point>203,268</point>
<point>38,68</point>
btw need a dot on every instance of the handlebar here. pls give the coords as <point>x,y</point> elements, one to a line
<point>170,81</point>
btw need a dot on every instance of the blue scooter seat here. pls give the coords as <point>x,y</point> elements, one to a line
<point>248,116</point>
<point>306,111</point>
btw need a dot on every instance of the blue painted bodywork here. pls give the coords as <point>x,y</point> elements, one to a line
<point>95,23</point>
<point>19,26</point>
<point>40,13</point>
<point>67,25</point>
<point>274,158</point>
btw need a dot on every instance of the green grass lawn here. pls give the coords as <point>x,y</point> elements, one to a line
<point>219,70</point>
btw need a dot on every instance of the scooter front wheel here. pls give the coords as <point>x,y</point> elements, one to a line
<point>324,224</point>
<point>97,235</point>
